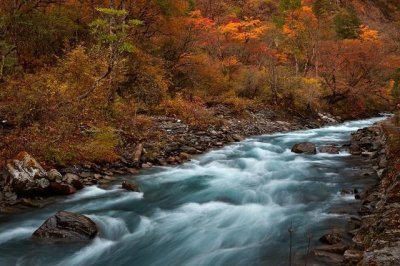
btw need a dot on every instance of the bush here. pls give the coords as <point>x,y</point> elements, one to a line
<point>191,112</point>
<point>102,146</point>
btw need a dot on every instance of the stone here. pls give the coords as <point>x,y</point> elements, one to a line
<point>132,171</point>
<point>69,178</point>
<point>147,165</point>
<point>129,186</point>
<point>74,180</point>
<point>27,175</point>
<point>336,248</point>
<point>355,149</point>
<point>53,174</point>
<point>383,163</point>
<point>86,174</point>
<point>304,147</point>
<point>331,238</point>
<point>329,256</point>
<point>184,156</point>
<point>67,226</point>
<point>189,150</point>
<point>330,149</point>
<point>137,154</point>
<point>352,255</point>
<point>237,137</point>
<point>62,188</point>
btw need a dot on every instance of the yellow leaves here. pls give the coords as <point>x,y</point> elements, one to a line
<point>367,34</point>
<point>300,22</point>
<point>244,30</point>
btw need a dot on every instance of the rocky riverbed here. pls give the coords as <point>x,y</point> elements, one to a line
<point>25,184</point>
<point>375,232</point>
<point>379,232</point>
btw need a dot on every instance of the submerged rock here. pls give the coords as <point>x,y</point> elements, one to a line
<point>27,175</point>
<point>129,186</point>
<point>330,149</point>
<point>67,226</point>
<point>304,147</point>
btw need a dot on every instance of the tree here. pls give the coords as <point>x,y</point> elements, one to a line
<point>347,24</point>
<point>111,33</point>
<point>300,32</point>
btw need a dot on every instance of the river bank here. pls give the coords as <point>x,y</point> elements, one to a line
<point>176,143</point>
<point>378,236</point>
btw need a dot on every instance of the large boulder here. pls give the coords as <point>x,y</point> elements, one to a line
<point>67,226</point>
<point>304,147</point>
<point>27,175</point>
<point>330,149</point>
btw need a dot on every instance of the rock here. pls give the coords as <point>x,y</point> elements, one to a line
<point>329,257</point>
<point>137,154</point>
<point>329,149</point>
<point>304,147</point>
<point>132,171</point>
<point>129,186</point>
<point>336,248</point>
<point>74,180</point>
<point>27,175</point>
<point>237,137</point>
<point>352,255</point>
<point>355,149</point>
<point>147,165</point>
<point>10,196</point>
<point>331,238</point>
<point>67,226</point>
<point>184,156</point>
<point>86,174</point>
<point>189,150</point>
<point>53,174</point>
<point>62,188</point>
<point>383,163</point>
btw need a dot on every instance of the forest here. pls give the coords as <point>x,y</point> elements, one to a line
<point>79,79</point>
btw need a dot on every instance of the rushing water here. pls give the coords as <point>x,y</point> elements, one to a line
<point>231,206</point>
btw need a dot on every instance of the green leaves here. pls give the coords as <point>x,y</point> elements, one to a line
<point>113,31</point>
<point>112,12</point>
<point>135,22</point>
<point>347,24</point>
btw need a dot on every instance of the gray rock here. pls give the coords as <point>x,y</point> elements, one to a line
<point>352,255</point>
<point>67,226</point>
<point>383,163</point>
<point>53,174</point>
<point>28,176</point>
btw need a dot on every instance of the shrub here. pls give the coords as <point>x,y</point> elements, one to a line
<point>191,112</point>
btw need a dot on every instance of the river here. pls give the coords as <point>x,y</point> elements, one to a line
<point>231,206</point>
